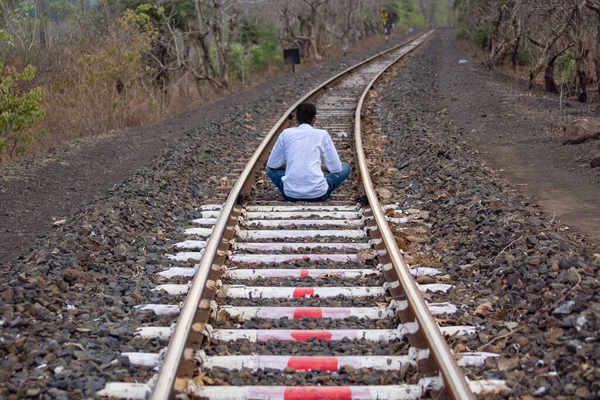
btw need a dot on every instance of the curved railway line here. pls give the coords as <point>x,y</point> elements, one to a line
<point>278,285</point>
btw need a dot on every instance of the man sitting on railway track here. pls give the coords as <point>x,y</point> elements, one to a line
<point>295,164</point>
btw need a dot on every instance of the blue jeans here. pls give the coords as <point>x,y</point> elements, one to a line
<point>333,180</point>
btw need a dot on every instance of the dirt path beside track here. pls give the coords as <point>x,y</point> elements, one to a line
<point>512,128</point>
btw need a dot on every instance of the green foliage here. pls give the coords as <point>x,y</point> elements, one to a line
<point>266,53</point>
<point>258,49</point>
<point>61,10</point>
<point>525,54</point>
<point>251,30</point>
<point>143,17</point>
<point>123,61</point>
<point>443,12</point>
<point>564,65</point>
<point>410,15</point>
<point>240,67</point>
<point>481,36</point>
<point>462,34</point>
<point>182,11</point>
<point>5,37</point>
<point>20,110</point>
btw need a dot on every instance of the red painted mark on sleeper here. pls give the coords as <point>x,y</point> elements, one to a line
<point>303,272</point>
<point>305,335</point>
<point>302,292</point>
<point>310,312</point>
<point>317,393</point>
<point>308,363</point>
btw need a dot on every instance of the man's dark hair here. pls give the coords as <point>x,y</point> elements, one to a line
<point>305,113</point>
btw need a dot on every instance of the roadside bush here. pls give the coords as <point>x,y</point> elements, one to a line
<point>481,36</point>
<point>258,49</point>
<point>525,54</point>
<point>462,34</point>
<point>565,65</point>
<point>267,52</point>
<point>20,109</point>
<point>239,62</point>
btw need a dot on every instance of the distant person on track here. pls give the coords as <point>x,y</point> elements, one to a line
<point>295,164</point>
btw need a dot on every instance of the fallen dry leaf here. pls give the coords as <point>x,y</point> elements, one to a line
<point>424,280</point>
<point>460,347</point>
<point>402,243</point>
<point>181,384</point>
<point>504,364</point>
<point>365,255</point>
<point>384,193</point>
<point>484,309</point>
<point>199,380</point>
<point>224,181</point>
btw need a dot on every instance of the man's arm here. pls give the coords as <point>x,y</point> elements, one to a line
<point>277,157</point>
<point>330,154</point>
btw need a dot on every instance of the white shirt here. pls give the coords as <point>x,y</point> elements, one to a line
<point>303,148</point>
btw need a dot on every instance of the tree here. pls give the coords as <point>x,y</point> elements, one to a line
<point>594,5</point>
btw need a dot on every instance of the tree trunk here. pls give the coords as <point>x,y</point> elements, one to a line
<point>549,74</point>
<point>582,83</point>
<point>217,23</point>
<point>597,55</point>
<point>517,42</point>
<point>42,15</point>
<point>580,56</point>
<point>201,39</point>
<point>514,57</point>
<point>494,34</point>
<point>312,34</point>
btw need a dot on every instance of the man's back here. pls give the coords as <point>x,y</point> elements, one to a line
<point>302,148</point>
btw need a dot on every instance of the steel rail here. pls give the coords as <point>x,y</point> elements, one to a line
<point>454,380</point>
<point>163,388</point>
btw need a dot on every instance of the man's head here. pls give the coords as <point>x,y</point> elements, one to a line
<point>305,113</point>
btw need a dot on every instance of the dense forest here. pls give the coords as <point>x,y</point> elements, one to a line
<point>560,38</point>
<point>74,68</point>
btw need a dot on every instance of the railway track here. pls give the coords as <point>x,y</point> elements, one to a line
<point>304,300</point>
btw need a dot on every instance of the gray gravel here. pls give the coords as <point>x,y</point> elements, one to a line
<point>314,301</point>
<point>346,376</point>
<point>312,347</point>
